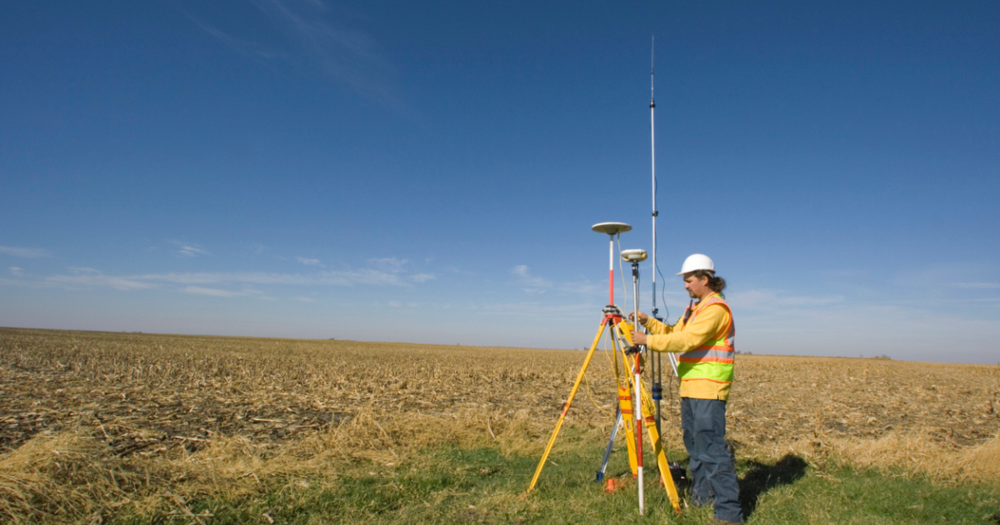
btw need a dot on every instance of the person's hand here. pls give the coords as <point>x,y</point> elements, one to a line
<point>638,338</point>
<point>642,317</point>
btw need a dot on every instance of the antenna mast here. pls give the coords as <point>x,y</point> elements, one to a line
<point>657,367</point>
<point>652,139</point>
<point>657,363</point>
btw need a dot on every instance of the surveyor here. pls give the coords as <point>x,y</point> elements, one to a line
<point>703,337</point>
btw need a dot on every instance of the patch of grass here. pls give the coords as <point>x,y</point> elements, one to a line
<point>482,485</point>
<point>848,496</point>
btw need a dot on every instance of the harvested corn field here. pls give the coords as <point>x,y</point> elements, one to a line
<point>93,422</point>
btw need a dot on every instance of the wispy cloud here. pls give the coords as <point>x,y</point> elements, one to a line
<point>211,292</point>
<point>244,47</point>
<point>458,271</point>
<point>186,250</point>
<point>384,272</point>
<point>531,284</point>
<point>400,304</point>
<point>216,292</point>
<point>16,272</point>
<point>190,251</point>
<point>363,276</point>
<point>389,264</point>
<point>347,56</point>
<point>89,278</point>
<point>308,262</point>
<point>27,253</point>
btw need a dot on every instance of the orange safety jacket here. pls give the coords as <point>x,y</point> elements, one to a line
<point>713,360</point>
<point>706,371</point>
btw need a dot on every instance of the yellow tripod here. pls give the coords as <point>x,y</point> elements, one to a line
<point>619,332</point>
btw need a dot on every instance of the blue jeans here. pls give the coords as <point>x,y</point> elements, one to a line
<point>712,472</point>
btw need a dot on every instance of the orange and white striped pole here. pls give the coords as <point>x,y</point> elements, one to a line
<point>638,384</point>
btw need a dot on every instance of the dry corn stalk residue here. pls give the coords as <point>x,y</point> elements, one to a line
<point>148,418</point>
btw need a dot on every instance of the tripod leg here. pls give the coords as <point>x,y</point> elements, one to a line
<point>664,466</point>
<point>625,401</point>
<point>661,458</point>
<point>611,442</point>
<point>562,416</point>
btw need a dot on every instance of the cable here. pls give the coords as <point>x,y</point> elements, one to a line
<point>590,394</point>
<point>621,270</point>
<point>663,295</point>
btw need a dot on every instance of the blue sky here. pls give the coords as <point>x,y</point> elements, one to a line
<point>429,171</point>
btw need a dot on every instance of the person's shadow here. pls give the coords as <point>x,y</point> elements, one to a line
<point>762,477</point>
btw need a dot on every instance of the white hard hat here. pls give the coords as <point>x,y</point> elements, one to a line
<point>697,262</point>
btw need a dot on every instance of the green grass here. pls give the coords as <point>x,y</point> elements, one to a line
<point>483,486</point>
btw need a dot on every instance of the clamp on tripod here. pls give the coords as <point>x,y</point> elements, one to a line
<point>632,398</point>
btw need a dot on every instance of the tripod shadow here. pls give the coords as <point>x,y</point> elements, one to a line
<point>762,477</point>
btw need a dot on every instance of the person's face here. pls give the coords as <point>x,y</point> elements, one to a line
<point>697,288</point>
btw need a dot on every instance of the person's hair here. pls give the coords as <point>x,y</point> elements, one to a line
<point>717,284</point>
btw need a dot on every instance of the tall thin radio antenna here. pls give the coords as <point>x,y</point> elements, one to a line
<point>656,363</point>
<point>657,369</point>
<point>652,139</point>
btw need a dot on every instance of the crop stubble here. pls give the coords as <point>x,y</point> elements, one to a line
<point>214,413</point>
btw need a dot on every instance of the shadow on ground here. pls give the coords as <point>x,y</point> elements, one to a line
<point>763,477</point>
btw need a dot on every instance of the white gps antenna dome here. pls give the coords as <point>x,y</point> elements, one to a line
<point>634,256</point>
<point>611,228</point>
